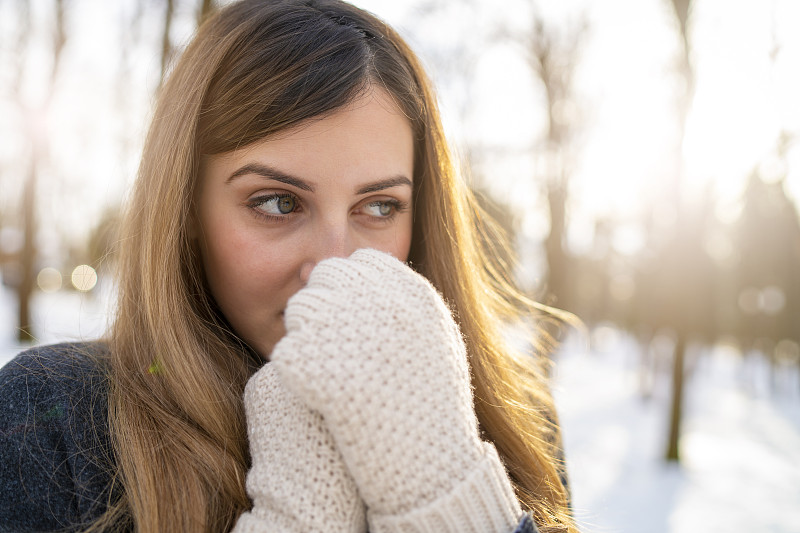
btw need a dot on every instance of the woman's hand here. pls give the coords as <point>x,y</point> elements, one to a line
<point>298,482</point>
<point>372,346</point>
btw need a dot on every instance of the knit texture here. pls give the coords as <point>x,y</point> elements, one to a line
<point>56,462</point>
<point>298,482</point>
<point>372,346</point>
<point>484,501</point>
<point>56,465</point>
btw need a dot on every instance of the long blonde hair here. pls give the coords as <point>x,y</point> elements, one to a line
<point>178,371</point>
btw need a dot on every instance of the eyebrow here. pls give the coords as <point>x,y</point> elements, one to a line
<point>387,183</point>
<point>274,174</point>
<point>270,173</point>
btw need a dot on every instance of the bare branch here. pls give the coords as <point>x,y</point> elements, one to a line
<point>59,39</point>
<point>166,44</point>
<point>22,40</point>
<point>207,7</point>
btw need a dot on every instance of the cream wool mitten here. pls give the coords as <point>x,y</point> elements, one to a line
<point>372,346</point>
<point>298,482</point>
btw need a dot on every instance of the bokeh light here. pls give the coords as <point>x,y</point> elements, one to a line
<point>84,278</point>
<point>49,279</point>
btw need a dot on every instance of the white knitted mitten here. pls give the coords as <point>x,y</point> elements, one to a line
<point>298,482</point>
<point>372,346</point>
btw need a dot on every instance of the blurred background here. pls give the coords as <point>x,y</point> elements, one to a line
<point>642,154</point>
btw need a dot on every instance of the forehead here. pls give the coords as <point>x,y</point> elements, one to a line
<point>368,136</point>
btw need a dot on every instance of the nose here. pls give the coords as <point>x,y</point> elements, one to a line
<point>332,240</point>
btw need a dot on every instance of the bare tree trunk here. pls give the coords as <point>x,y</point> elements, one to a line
<point>681,8</point>
<point>27,256</point>
<point>27,259</point>
<point>554,243</point>
<point>676,410</point>
<point>553,56</point>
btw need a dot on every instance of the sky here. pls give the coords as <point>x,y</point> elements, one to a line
<point>624,108</point>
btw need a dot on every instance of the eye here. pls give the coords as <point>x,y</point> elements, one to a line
<point>382,208</point>
<point>275,204</point>
<point>285,204</point>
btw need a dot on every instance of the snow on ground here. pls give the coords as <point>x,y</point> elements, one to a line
<point>740,446</point>
<point>58,316</point>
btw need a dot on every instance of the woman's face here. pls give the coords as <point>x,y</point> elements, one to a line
<point>268,212</point>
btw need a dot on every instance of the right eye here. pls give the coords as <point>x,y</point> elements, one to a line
<point>275,204</point>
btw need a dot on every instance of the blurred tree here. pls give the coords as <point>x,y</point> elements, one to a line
<point>680,271</point>
<point>767,238</point>
<point>455,67</point>
<point>202,9</point>
<point>36,134</point>
<point>101,244</point>
<point>552,55</point>
<point>207,7</point>
<point>33,93</point>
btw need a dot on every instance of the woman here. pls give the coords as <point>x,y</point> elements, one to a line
<point>296,204</point>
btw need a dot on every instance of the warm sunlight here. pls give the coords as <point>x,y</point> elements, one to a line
<point>644,160</point>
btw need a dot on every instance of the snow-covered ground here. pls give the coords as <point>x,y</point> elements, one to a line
<point>740,469</point>
<point>740,445</point>
<point>58,316</point>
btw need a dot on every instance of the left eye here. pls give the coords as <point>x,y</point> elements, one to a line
<point>380,209</point>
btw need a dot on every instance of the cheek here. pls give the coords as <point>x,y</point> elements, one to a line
<point>396,241</point>
<point>401,246</point>
<point>238,266</point>
<point>232,264</point>
<point>403,243</point>
<point>248,277</point>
